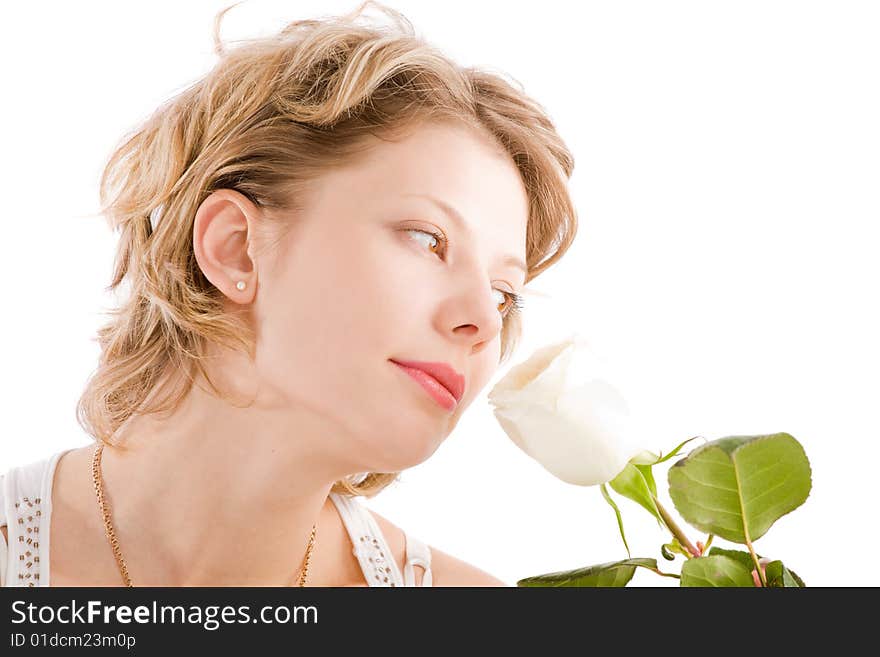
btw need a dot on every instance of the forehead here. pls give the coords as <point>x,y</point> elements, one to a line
<point>457,165</point>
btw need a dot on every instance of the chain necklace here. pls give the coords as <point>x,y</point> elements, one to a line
<point>114,542</point>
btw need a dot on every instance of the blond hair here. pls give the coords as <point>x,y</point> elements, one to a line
<point>272,115</point>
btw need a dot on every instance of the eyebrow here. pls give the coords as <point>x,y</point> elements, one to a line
<point>456,217</point>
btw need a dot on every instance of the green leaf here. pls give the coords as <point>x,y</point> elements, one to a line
<point>717,571</point>
<point>780,576</point>
<point>649,478</point>
<point>631,483</point>
<point>775,570</point>
<point>613,573</point>
<point>796,578</point>
<point>608,499</point>
<point>738,555</point>
<point>737,487</point>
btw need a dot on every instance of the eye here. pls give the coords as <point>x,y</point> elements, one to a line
<point>441,241</point>
<point>511,304</point>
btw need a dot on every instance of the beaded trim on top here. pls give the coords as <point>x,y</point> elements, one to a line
<point>371,550</point>
<point>28,513</point>
<point>380,570</point>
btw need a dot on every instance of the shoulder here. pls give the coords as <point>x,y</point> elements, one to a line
<point>446,569</point>
<point>451,571</point>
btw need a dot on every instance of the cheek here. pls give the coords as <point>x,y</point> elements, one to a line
<point>330,321</point>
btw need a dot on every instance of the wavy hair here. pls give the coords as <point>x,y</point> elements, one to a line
<point>271,115</point>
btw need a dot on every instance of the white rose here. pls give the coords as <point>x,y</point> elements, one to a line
<point>558,409</point>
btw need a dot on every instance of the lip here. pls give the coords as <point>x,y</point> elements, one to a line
<point>440,380</point>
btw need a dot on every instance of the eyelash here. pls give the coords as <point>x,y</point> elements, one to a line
<point>516,301</point>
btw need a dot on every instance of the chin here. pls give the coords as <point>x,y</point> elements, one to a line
<point>404,452</point>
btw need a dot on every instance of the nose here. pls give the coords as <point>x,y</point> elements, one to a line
<point>472,317</point>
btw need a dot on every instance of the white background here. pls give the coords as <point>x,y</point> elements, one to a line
<point>726,179</point>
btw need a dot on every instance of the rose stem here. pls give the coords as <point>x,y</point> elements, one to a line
<point>675,529</point>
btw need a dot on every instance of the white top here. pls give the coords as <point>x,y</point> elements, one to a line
<point>26,505</point>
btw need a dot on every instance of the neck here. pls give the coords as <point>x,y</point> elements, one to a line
<point>216,495</point>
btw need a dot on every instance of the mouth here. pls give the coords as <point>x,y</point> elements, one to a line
<point>439,380</point>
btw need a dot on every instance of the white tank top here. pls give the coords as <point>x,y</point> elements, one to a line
<point>26,505</point>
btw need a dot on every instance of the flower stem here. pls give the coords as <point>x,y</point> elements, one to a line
<point>761,576</point>
<point>675,529</point>
<point>660,572</point>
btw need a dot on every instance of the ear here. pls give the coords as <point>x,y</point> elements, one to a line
<point>222,232</point>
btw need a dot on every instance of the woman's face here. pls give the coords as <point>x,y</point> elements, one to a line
<point>354,285</point>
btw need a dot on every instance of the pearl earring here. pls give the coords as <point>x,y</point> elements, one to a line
<point>240,285</point>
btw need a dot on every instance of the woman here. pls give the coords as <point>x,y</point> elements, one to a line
<point>305,233</point>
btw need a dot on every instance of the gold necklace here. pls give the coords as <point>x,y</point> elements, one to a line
<point>114,542</point>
